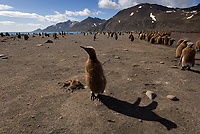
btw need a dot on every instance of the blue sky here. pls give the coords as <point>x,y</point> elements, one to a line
<point>28,15</point>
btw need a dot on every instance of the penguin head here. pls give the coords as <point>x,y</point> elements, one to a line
<point>90,50</point>
<point>190,44</point>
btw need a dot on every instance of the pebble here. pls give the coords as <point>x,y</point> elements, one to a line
<point>2,55</point>
<point>151,95</point>
<point>162,62</point>
<point>125,49</point>
<point>117,57</point>
<point>39,45</point>
<point>5,57</point>
<point>174,67</point>
<point>172,97</point>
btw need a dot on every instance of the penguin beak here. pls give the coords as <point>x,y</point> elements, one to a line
<point>82,47</point>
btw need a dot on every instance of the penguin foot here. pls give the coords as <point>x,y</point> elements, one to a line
<point>93,97</point>
<point>188,68</point>
<point>98,97</point>
<point>183,68</point>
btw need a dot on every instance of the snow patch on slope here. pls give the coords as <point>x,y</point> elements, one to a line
<point>153,17</point>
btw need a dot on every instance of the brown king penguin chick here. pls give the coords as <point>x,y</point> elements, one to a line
<point>188,57</point>
<point>94,76</point>
<point>180,48</point>
<point>198,45</point>
<point>179,42</point>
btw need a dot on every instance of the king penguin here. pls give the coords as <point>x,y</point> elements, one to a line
<point>188,57</point>
<point>94,76</point>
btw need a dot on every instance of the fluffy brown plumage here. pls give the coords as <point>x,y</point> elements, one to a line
<point>94,76</point>
<point>187,57</point>
<point>180,48</point>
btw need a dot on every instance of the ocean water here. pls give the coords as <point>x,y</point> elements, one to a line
<point>14,33</point>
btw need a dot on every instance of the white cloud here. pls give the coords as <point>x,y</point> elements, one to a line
<point>85,12</point>
<point>49,18</point>
<point>121,4</point>
<point>57,17</point>
<point>7,22</point>
<point>5,7</point>
<point>34,25</point>
<point>108,4</point>
<point>20,14</point>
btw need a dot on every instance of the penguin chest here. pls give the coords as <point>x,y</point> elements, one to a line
<point>95,79</point>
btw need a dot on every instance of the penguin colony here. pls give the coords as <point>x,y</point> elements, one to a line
<point>185,51</point>
<point>157,37</point>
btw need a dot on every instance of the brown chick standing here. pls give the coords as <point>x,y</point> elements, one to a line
<point>94,76</point>
<point>187,57</point>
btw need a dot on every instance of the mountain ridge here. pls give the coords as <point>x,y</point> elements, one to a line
<point>147,16</point>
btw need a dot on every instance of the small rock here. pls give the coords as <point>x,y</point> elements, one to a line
<point>117,57</point>
<point>136,65</point>
<point>49,41</point>
<point>140,120</point>
<point>151,95</point>
<point>143,61</point>
<point>174,67</point>
<point>39,45</point>
<point>125,49</point>
<point>61,117</point>
<point>162,62</point>
<point>129,79</point>
<point>5,57</point>
<point>2,55</point>
<point>172,97</point>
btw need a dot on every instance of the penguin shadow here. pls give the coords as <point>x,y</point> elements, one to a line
<point>195,71</point>
<point>136,111</point>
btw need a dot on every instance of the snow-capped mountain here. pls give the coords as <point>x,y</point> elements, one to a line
<point>153,17</point>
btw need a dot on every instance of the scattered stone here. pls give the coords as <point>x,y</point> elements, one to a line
<point>75,56</point>
<point>140,120</point>
<point>174,67</point>
<point>2,55</point>
<point>125,49</point>
<point>172,97</point>
<point>49,41</point>
<point>135,65</point>
<point>39,45</point>
<point>151,95</point>
<point>162,62</point>
<point>5,57</point>
<point>117,57</point>
<point>129,79</point>
<point>143,61</point>
<point>61,117</point>
<point>111,121</point>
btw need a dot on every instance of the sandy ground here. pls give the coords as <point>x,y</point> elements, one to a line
<point>32,101</point>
